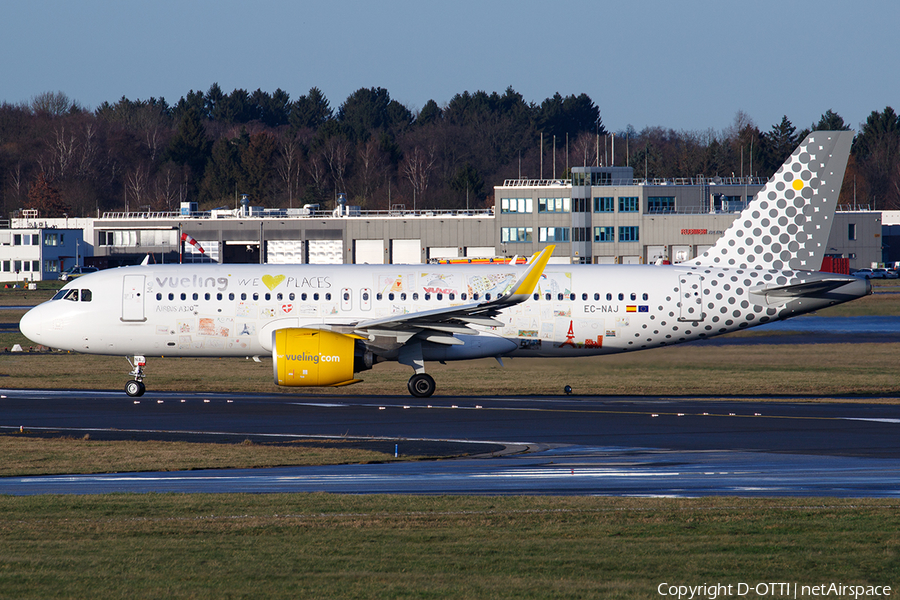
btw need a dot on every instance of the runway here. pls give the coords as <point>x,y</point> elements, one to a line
<point>681,446</point>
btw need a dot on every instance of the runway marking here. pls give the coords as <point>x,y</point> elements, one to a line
<point>875,419</point>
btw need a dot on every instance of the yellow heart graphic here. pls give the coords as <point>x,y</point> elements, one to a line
<point>272,281</point>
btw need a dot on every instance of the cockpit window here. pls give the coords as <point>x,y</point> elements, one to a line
<point>70,295</point>
<point>86,295</point>
<point>59,295</point>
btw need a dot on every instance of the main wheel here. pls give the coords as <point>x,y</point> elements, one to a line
<point>421,385</point>
<point>135,388</point>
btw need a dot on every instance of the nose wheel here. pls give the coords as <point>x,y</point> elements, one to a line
<point>135,387</point>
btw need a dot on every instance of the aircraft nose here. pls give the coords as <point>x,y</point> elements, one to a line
<point>31,325</point>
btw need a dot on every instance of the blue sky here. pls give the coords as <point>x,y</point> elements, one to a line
<point>681,64</point>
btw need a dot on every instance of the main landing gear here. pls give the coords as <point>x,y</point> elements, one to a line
<point>135,387</point>
<point>421,385</point>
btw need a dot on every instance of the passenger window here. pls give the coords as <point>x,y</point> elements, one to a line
<point>346,296</point>
<point>279,297</point>
<point>633,296</point>
<point>391,296</point>
<point>487,296</point>
<point>403,295</point>
<point>195,296</point>
<point>365,296</point>
<point>572,297</point>
<point>452,296</point>
<point>171,296</point>
<point>268,296</point>
<point>559,296</point>
<point>584,296</point>
<point>462,296</point>
<point>415,296</point>
<point>537,296</point>
<point>291,296</point>
<point>231,295</point>
<point>219,296</point>
<point>440,296</point>
<point>608,297</point>
<point>183,296</point>
<point>328,295</point>
<point>548,297</point>
<point>475,296</point>
<point>596,296</point>
<point>378,296</point>
<point>428,296</point>
<point>645,297</point>
<point>316,296</point>
<point>206,296</point>
<point>621,296</point>
<point>159,296</point>
<point>303,297</point>
<point>255,296</point>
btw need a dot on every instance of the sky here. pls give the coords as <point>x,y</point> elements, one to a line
<point>688,65</point>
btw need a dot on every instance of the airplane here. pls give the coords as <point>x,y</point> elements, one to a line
<point>323,324</point>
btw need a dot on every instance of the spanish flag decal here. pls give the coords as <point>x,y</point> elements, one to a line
<point>631,308</point>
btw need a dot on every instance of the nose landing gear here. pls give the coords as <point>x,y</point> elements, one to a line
<point>135,387</point>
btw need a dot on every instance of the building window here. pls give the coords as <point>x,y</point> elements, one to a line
<point>604,234</point>
<point>118,238</point>
<point>851,231</point>
<point>553,234</point>
<point>581,234</point>
<point>559,205</point>
<point>661,204</point>
<point>628,204</point>
<point>51,239</point>
<point>516,234</point>
<point>605,204</point>
<point>7,266</point>
<point>51,266</point>
<point>628,234</point>
<point>515,205</point>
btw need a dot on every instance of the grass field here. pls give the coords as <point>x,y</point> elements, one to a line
<point>332,546</point>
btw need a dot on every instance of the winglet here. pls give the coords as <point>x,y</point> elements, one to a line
<point>524,287</point>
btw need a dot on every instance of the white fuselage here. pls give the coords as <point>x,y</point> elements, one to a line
<point>576,310</point>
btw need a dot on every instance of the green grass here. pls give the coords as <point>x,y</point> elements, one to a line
<point>333,546</point>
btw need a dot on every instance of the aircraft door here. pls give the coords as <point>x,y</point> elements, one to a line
<point>133,298</point>
<point>365,299</point>
<point>346,299</point>
<point>690,297</point>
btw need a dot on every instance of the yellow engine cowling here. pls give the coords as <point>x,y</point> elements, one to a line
<point>313,357</point>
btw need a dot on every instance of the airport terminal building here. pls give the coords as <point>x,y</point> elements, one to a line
<point>602,215</point>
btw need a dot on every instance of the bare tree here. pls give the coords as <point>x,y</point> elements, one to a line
<point>584,150</point>
<point>316,168</point>
<point>337,153</point>
<point>288,166</point>
<point>54,104</point>
<point>136,186</point>
<point>416,167</point>
<point>371,163</point>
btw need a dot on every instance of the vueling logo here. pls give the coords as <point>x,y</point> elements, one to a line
<point>313,358</point>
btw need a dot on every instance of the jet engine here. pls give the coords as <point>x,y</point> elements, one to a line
<point>314,357</point>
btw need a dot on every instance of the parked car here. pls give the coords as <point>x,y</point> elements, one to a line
<point>76,272</point>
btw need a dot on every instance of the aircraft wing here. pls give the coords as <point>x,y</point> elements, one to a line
<point>440,325</point>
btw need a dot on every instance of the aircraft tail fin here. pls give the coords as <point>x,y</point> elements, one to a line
<point>787,224</point>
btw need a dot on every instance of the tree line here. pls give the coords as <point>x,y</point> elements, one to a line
<point>211,147</point>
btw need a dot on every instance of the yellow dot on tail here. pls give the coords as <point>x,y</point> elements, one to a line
<point>798,184</point>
